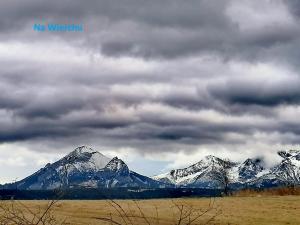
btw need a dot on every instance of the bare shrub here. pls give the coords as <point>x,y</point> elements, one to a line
<point>183,214</point>
<point>14,212</point>
<point>221,174</point>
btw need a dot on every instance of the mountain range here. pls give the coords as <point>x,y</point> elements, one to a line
<point>250,173</point>
<point>87,168</point>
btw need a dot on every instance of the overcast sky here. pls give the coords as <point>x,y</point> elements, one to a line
<point>159,83</point>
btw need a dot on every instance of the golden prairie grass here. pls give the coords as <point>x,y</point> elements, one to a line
<point>227,210</point>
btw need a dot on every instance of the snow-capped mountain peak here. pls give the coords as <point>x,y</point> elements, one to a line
<point>118,166</point>
<point>195,173</point>
<point>250,168</point>
<point>84,158</point>
<point>81,150</point>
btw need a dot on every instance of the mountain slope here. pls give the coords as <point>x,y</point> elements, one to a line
<point>197,175</point>
<point>287,172</point>
<point>84,167</point>
<point>117,174</point>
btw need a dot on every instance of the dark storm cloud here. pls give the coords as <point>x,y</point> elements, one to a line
<point>294,6</point>
<point>177,28</point>
<point>166,13</point>
<point>258,93</point>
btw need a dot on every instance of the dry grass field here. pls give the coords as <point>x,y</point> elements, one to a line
<point>228,210</point>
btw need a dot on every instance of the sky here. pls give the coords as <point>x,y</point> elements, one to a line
<point>159,83</point>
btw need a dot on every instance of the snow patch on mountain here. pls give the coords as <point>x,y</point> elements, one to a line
<point>82,159</point>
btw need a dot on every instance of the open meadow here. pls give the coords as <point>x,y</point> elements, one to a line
<point>227,210</point>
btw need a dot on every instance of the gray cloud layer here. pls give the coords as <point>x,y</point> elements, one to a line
<point>158,76</point>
